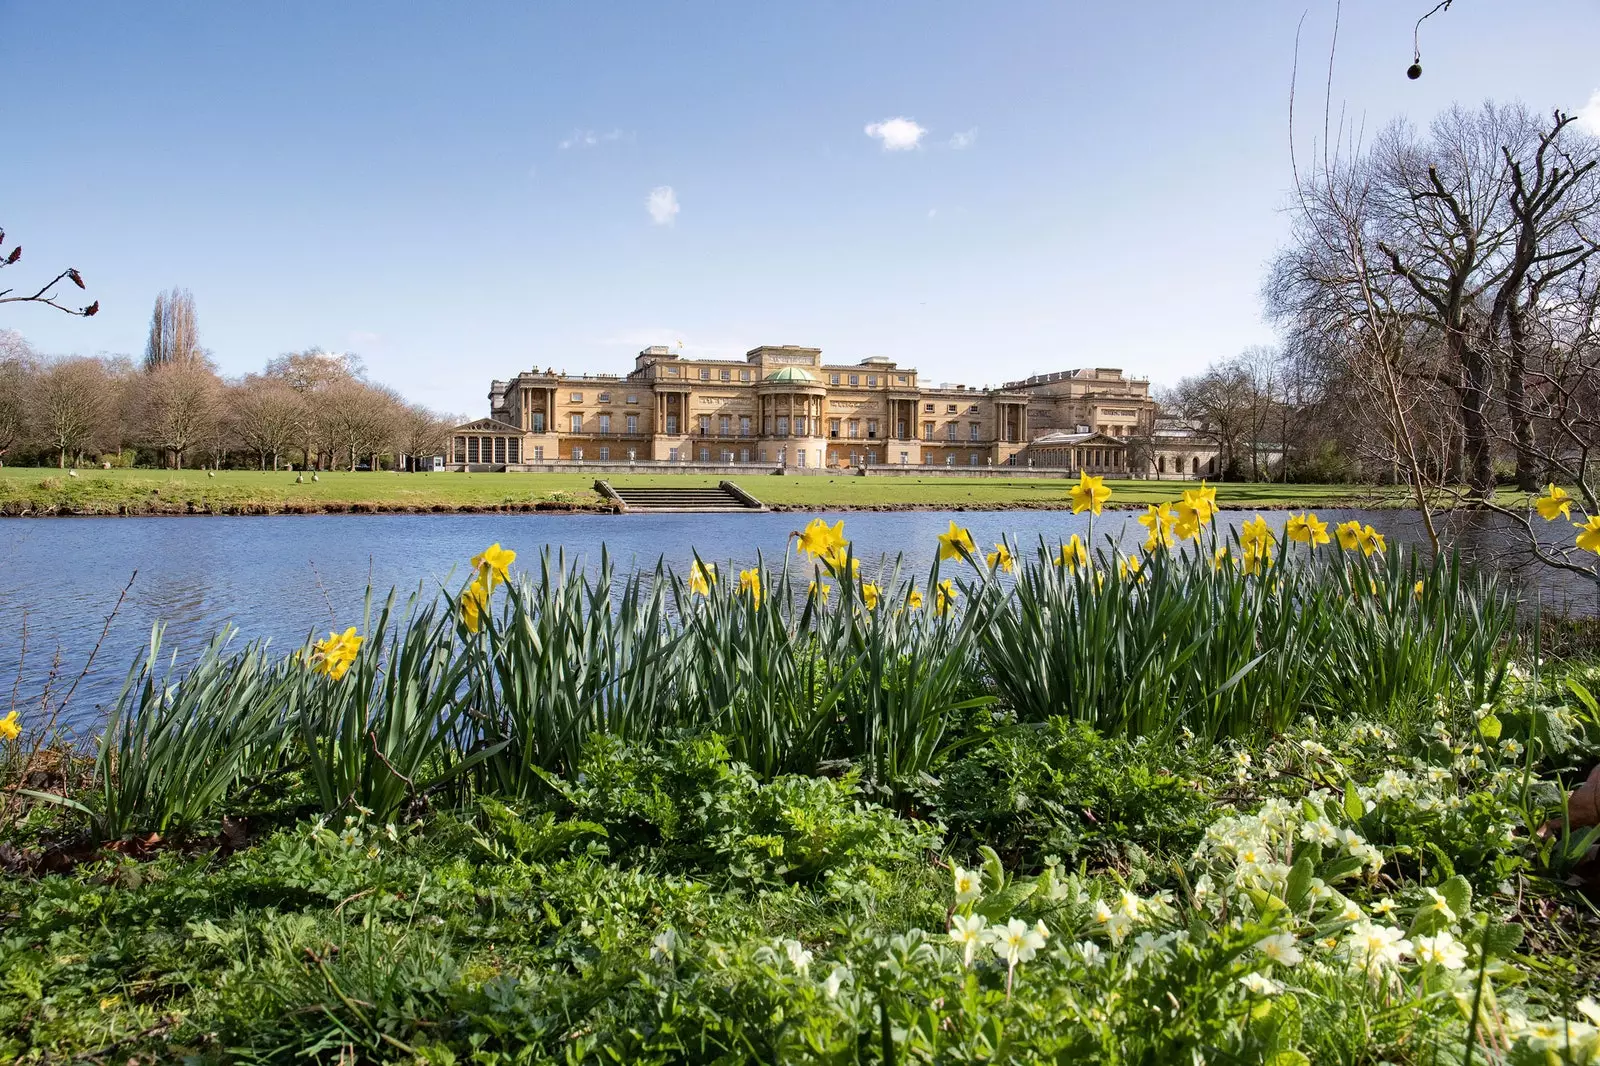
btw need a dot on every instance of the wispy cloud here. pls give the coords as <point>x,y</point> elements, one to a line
<point>593,138</point>
<point>897,134</point>
<point>964,139</point>
<point>662,203</point>
<point>681,342</point>
<point>1589,114</point>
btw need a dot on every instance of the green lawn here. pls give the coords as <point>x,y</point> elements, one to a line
<point>25,490</point>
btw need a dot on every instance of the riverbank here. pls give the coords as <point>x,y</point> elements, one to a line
<point>42,493</point>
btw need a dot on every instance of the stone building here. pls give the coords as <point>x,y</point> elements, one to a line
<point>783,405</point>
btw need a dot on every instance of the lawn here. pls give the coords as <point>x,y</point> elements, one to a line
<point>110,492</point>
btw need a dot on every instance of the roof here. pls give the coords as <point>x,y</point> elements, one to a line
<point>1050,440</point>
<point>493,425</point>
<point>792,373</point>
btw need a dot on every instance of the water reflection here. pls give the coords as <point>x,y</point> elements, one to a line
<point>285,576</point>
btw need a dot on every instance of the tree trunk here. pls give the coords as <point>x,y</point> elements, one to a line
<point>1517,401</point>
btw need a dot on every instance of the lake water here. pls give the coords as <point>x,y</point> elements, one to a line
<point>282,577</point>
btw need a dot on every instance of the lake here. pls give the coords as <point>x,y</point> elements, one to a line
<point>283,577</point>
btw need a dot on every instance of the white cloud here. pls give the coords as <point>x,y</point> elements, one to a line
<point>897,134</point>
<point>591,139</point>
<point>964,139</point>
<point>1589,114</point>
<point>662,203</point>
<point>932,211</point>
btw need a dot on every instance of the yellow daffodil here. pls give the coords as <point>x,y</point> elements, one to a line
<point>1256,556</point>
<point>334,655</point>
<point>494,564</point>
<point>1159,520</point>
<point>702,577</point>
<point>1254,535</point>
<point>1188,524</point>
<point>870,594</point>
<point>1088,494</point>
<point>956,543</point>
<point>818,538</point>
<point>838,557</point>
<point>750,581</point>
<point>820,589</point>
<point>1306,529</point>
<point>1370,540</point>
<point>10,727</point>
<point>1589,534</point>
<point>1349,534</point>
<point>1555,502</point>
<point>914,600</point>
<point>1127,568</point>
<point>1219,557</point>
<point>1000,558</point>
<point>1416,590</point>
<point>1202,501</point>
<point>1073,554</point>
<point>944,595</point>
<point>474,602</point>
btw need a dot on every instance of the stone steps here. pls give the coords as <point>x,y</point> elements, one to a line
<point>724,498</point>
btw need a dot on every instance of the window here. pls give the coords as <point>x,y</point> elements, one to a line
<point>672,372</point>
<point>672,455</point>
<point>949,408</point>
<point>872,429</point>
<point>905,457</point>
<point>783,426</point>
<point>927,430</point>
<point>872,379</point>
<point>577,455</point>
<point>461,450</point>
<point>744,375</point>
<point>605,453</point>
<point>724,426</point>
<point>972,460</point>
<point>499,449</point>
<point>727,456</point>
<point>855,428</point>
<point>672,425</point>
<point>633,397</point>
<point>855,379</point>
<point>538,421</point>
<point>801,423</point>
<point>974,431</point>
<point>927,408</point>
<point>604,397</point>
<point>705,373</point>
<point>800,456</point>
<point>973,409</point>
<point>950,431</point>
<point>472,449</point>
<point>833,428</point>
<point>833,379</point>
<point>872,458</point>
<point>538,453</point>
<point>705,425</point>
<point>744,425</point>
<point>727,375</point>
<point>633,424</point>
<point>577,422</point>
<point>605,425</point>
<point>577,397</point>
<point>902,379</point>
<point>744,455</point>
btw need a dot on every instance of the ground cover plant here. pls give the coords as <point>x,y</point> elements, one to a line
<point>1226,799</point>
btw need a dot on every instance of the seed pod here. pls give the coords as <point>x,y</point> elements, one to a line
<point>92,310</point>
<point>1414,71</point>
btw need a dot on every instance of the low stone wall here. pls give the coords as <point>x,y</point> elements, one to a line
<point>598,469</point>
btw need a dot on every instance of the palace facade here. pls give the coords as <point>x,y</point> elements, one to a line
<point>784,405</point>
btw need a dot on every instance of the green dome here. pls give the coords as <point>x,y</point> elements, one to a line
<point>791,373</point>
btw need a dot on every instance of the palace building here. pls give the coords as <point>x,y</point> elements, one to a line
<point>785,406</point>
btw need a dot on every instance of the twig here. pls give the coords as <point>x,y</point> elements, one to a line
<point>112,617</point>
<point>332,614</point>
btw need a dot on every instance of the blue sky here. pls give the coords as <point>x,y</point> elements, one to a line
<point>461,191</point>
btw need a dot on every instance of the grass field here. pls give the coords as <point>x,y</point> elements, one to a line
<point>111,492</point>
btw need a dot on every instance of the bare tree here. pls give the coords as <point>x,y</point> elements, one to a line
<point>358,421</point>
<point>266,416</point>
<point>313,373</point>
<point>46,293</point>
<point>420,432</point>
<point>174,338</point>
<point>177,407</point>
<point>72,401</point>
<point>1222,406</point>
<point>17,367</point>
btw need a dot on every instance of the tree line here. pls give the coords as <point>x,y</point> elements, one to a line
<point>172,408</point>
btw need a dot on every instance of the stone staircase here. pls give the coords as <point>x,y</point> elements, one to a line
<point>725,498</point>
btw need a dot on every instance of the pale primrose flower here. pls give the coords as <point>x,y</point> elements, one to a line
<point>1370,945</point>
<point>1384,907</point>
<point>968,932</point>
<point>1511,747</point>
<point>1281,949</point>
<point>1320,831</point>
<point>799,956</point>
<point>1147,945</point>
<point>1439,905</point>
<point>839,976</point>
<point>392,833</point>
<point>1130,904</point>
<point>1092,956</point>
<point>967,885</point>
<point>1442,950</point>
<point>351,837</point>
<point>1350,912</point>
<point>664,944</point>
<point>1260,985</point>
<point>1017,942</point>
